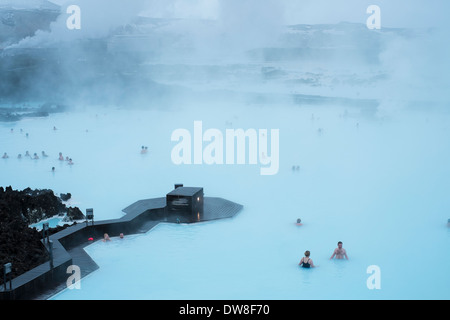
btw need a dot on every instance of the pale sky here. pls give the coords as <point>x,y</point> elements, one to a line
<point>394,13</point>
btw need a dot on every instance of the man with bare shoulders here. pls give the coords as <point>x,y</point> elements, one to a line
<point>339,252</point>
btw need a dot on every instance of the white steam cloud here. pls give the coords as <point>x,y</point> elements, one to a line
<point>98,18</point>
<point>251,22</point>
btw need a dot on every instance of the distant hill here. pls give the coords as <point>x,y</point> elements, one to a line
<point>22,18</point>
<point>29,4</point>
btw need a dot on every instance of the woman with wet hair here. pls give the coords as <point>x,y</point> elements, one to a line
<point>306,261</point>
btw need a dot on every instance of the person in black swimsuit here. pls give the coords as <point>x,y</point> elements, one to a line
<point>306,262</point>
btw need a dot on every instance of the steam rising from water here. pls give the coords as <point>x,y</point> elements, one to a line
<point>99,18</point>
<point>161,50</point>
<point>179,54</point>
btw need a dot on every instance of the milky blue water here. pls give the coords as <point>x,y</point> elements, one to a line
<point>52,223</point>
<point>381,187</point>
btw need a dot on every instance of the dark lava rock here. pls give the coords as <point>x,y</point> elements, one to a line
<point>74,214</point>
<point>65,196</point>
<point>37,205</point>
<point>19,244</point>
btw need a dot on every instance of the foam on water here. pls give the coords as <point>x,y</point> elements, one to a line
<point>379,187</point>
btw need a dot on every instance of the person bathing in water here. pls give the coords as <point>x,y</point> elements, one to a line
<point>306,262</point>
<point>144,150</point>
<point>339,252</point>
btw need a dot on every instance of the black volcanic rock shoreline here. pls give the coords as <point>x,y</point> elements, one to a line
<point>20,244</point>
<point>14,113</point>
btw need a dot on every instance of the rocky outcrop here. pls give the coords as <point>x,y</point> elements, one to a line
<point>73,214</point>
<point>65,196</point>
<point>19,20</point>
<point>19,244</point>
<point>14,113</point>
